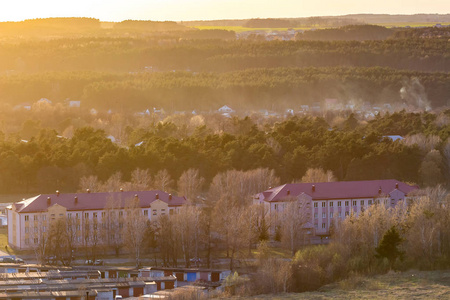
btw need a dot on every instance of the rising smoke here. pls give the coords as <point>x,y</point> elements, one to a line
<point>413,94</point>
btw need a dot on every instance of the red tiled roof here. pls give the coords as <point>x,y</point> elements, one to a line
<point>94,201</point>
<point>338,190</point>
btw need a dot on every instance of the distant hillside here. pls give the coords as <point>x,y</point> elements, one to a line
<point>418,18</point>
<point>149,25</point>
<point>326,20</point>
<point>347,33</point>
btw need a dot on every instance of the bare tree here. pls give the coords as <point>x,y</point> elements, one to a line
<point>90,182</point>
<point>190,184</point>
<point>135,228</point>
<point>39,239</point>
<point>163,181</point>
<point>113,184</point>
<point>187,226</point>
<point>112,226</point>
<point>318,175</point>
<point>296,214</point>
<point>140,180</point>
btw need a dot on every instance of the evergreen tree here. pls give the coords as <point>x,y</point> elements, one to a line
<point>388,247</point>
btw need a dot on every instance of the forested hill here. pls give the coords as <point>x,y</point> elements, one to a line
<point>327,20</point>
<point>165,53</point>
<point>249,90</point>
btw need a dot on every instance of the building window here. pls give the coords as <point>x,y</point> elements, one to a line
<point>316,215</point>
<point>27,218</point>
<point>369,202</point>
<point>392,201</point>
<point>94,215</point>
<point>331,204</point>
<point>324,215</point>
<point>354,203</point>
<point>316,204</point>
<point>324,225</point>
<point>346,213</point>
<point>331,215</point>
<point>35,217</point>
<point>154,212</point>
<point>324,203</point>
<point>145,212</point>
<point>275,206</point>
<point>339,203</point>
<point>86,215</point>
<point>120,213</point>
<point>69,215</point>
<point>362,202</point>
<point>346,203</point>
<point>385,201</point>
<point>77,216</point>
<point>339,215</point>
<point>103,214</point>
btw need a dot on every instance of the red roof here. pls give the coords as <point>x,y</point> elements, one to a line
<point>94,201</point>
<point>338,190</point>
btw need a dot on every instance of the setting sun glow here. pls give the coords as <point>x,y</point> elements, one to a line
<point>177,10</point>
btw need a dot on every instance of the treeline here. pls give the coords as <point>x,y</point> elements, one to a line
<point>54,28</point>
<point>243,90</point>
<point>300,22</point>
<point>351,150</point>
<point>167,53</point>
<point>347,33</point>
<point>149,25</point>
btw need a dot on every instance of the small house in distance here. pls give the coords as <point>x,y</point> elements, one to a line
<point>226,109</point>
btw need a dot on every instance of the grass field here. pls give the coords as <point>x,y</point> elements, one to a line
<point>407,285</point>
<point>239,29</point>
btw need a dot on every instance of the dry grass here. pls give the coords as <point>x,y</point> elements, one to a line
<point>407,285</point>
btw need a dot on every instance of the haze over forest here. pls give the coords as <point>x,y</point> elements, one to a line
<point>219,110</point>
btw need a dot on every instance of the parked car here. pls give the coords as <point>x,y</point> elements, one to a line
<point>20,261</point>
<point>8,260</point>
<point>98,262</point>
<point>89,262</point>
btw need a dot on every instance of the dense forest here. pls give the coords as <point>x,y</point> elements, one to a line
<point>158,85</point>
<point>249,90</point>
<point>197,55</point>
<point>351,149</point>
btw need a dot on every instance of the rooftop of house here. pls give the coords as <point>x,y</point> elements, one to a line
<point>95,201</point>
<point>338,190</point>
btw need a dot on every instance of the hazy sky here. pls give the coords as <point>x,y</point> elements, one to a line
<point>176,10</point>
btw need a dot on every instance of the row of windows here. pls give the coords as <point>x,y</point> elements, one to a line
<point>339,203</point>
<point>324,225</point>
<point>95,214</point>
<point>324,215</point>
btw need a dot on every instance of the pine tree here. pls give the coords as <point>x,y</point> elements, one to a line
<point>388,247</point>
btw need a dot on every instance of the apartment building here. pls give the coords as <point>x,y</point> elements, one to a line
<point>29,219</point>
<point>326,202</point>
